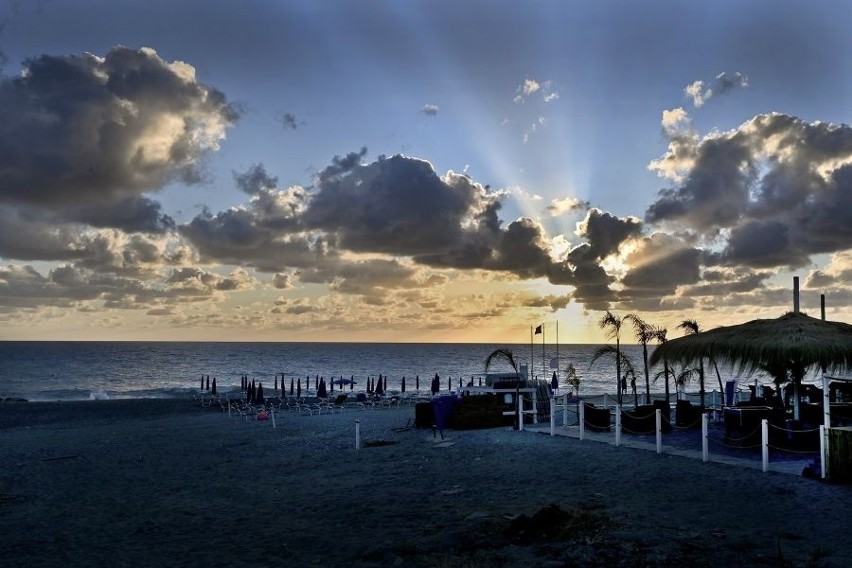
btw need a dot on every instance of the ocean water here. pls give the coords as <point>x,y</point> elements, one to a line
<point>82,370</point>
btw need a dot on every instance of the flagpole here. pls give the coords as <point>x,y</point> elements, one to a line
<point>529,373</point>
<point>543,356</point>
<point>557,352</point>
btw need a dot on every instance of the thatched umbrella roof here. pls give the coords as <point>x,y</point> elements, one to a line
<point>794,341</point>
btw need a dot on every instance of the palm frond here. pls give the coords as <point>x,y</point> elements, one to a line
<point>501,355</point>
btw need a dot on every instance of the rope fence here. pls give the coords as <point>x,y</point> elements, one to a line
<point>727,441</point>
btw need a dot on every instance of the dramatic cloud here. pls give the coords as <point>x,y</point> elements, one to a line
<point>773,191</point>
<point>255,180</point>
<point>657,267</point>
<point>700,92</point>
<point>399,208</point>
<point>78,130</point>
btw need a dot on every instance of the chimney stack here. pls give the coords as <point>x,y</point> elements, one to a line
<point>796,294</point>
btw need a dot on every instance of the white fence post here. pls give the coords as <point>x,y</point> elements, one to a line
<point>582,413</point>
<point>565,411</point>
<point>520,412</point>
<point>659,417</point>
<point>823,454</point>
<point>552,416</point>
<point>617,425</point>
<point>272,412</point>
<point>535,407</point>
<point>704,453</point>
<point>764,433</point>
<point>357,434</point>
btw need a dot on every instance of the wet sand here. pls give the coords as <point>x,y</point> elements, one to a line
<point>165,482</point>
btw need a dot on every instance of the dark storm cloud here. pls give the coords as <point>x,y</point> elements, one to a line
<point>605,232</point>
<point>82,129</point>
<point>135,214</point>
<point>254,180</point>
<point>780,188</point>
<point>341,165</point>
<point>397,206</point>
<point>659,265</point>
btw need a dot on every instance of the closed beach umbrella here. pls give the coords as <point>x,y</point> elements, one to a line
<point>449,383</point>
<point>208,382</point>
<point>259,397</point>
<point>202,382</point>
<point>554,382</point>
<point>352,384</point>
<point>291,386</point>
<point>417,382</point>
<point>321,389</point>
<point>386,383</point>
<point>276,382</point>
<point>299,388</point>
<point>332,385</point>
<point>214,386</point>
<point>379,387</point>
<point>436,384</point>
<point>402,385</point>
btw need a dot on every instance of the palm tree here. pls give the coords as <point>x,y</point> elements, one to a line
<point>612,324</point>
<point>572,379</point>
<point>685,375</point>
<point>660,336</point>
<point>507,356</point>
<point>622,361</point>
<point>691,328</point>
<point>644,332</point>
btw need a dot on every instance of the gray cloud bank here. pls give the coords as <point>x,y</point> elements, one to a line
<point>86,141</point>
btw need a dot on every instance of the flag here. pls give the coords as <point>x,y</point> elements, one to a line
<point>554,363</point>
<point>538,329</point>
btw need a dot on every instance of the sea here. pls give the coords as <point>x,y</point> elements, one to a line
<point>80,370</point>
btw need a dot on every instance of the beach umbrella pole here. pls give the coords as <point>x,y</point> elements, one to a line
<point>581,410</point>
<point>704,453</point>
<point>357,434</point>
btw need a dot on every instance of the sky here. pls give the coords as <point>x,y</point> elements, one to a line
<point>419,171</point>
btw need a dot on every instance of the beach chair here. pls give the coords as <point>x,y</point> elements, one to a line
<point>311,408</point>
<point>364,402</point>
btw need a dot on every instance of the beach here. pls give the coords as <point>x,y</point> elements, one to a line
<point>165,482</point>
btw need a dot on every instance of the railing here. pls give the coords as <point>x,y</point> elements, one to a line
<point>729,441</point>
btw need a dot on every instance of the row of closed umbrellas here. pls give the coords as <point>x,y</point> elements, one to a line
<point>379,385</point>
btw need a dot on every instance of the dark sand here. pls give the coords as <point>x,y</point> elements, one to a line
<point>166,483</point>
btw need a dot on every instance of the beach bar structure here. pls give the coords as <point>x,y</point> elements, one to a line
<point>514,390</point>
